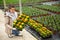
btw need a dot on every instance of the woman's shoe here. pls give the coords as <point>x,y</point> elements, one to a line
<point>10,36</point>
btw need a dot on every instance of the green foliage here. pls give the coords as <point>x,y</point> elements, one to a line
<point>52,21</point>
<point>12,1</point>
<point>1,1</point>
<point>48,7</point>
<point>32,1</point>
<point>33,11</point>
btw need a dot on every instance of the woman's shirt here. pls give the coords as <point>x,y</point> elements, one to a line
<point>12,15</point>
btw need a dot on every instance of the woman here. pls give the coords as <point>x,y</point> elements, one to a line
<point>10,16</point>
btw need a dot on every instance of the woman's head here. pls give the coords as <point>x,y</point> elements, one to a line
<point>12,9</point>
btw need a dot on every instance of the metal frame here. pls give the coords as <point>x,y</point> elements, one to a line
<point>20,6</point>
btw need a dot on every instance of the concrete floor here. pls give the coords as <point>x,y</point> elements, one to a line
<point>3,35</point>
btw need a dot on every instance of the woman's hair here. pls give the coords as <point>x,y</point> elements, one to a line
<point>11,7</point>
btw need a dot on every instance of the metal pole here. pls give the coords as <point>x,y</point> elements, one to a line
<point>20,6</point>
<point>4,4</point>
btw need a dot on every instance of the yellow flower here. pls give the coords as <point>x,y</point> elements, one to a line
<point>22,23</point>
<point>33,25</point>
<point>25,20</point>
<point>23,15</point>
<point>44,28</point>
<point>40,24</point>
<point>27,16</point>
<point>36,24</point>
<point>19,16</point>
<point>19,22</point>
<point>20,26</point>
<point>15,21</point>
<point>40,30</point>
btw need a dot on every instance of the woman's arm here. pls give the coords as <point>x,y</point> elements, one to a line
<point>8,14</point>
<point>16,14</point>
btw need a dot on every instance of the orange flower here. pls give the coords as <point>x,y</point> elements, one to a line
<point>17,24</point>
<point>18,18</point>
<point>25,20</point>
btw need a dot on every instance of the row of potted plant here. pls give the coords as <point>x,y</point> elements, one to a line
<point>23,19</point>
<point>20,22</point>
<point>43,31</point>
